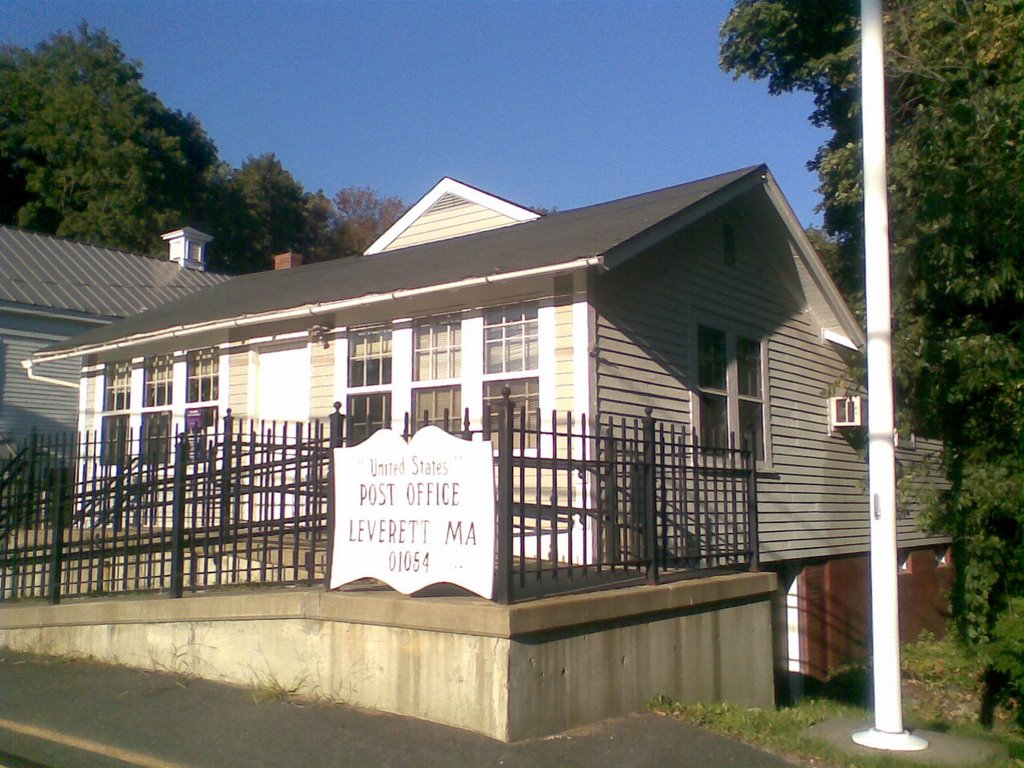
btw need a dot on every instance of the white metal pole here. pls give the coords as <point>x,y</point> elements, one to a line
<point>888,732</point>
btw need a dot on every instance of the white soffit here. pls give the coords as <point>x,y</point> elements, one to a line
<point>449,186</point>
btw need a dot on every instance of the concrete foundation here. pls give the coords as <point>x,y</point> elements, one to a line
<point>508,672</point>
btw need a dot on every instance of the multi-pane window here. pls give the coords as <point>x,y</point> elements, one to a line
<point>511,339</point>
<point>156,437</point>
<point>750,393</point>
<point>512,346</point>
<point>159,381</point>
<point>440,406</point>
<point>712,379</point>
<point>117,399</point>
<point>437,357</point>
<point>437,350</point>
<point>730,389</point>
<point>524,395</point>
<point>114,440</point>
<point>117,387</point>
<point>202,376</point>
<point>366,414</point>
<point>369,358</point>
<point>369,369</point>
<point>157,392</point>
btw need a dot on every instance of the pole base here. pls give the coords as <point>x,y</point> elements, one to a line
<point>893,742</point>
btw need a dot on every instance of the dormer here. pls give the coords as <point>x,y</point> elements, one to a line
<point>187,248</point>
<point>450,209</point>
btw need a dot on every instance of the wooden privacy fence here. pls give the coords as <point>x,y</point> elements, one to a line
<point>578,506</point>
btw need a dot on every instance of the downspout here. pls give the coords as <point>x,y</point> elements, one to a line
<point>33,376</point>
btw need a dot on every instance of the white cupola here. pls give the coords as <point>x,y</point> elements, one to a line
<point>187,247</point>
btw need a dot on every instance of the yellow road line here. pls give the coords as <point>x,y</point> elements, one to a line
<point>95,747</point>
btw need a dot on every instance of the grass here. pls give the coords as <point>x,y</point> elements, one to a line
<point>941,692</point>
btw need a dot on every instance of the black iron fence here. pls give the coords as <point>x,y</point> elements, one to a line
<point>578,505</point>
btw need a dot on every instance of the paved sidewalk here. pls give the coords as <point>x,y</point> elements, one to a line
<point>72,714</point>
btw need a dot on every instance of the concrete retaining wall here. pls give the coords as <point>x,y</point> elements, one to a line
<point>509,672</point>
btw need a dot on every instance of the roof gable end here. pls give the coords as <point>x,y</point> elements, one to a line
<point>450,209</point>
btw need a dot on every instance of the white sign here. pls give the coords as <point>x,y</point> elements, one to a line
<point>414,514</point>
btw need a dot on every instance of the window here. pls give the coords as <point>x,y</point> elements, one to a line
<point>437,351</point>
<point>117,387</point>
<point>369,369</point>
<point>114,440</point>
<point>440,406</point>
<point>159,381</point>
<point>524,393</point>
<point>369,359</point>
<point>728,245</point>
<point>437,357</point>
<point>712,380</point>
<point>366,414</point>
<point>158,386</point>
<point>202,376</point>
<point>117,396</point>
<point>156,437</point>
<point>749,392</point>
<point>730,397</point>
<point>511,346</point>
<point>511,340</point>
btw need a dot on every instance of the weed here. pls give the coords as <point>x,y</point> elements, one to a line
<point>267,686</point>
<point>942,683</point>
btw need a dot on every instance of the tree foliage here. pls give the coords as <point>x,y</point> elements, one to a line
<point>955,90</point>
<point>87,152</point>
<point>362,216</point>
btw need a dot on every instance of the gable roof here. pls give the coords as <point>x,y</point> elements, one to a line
<point>51,273</point>
<point>450,209</point>
<point>598,235</point>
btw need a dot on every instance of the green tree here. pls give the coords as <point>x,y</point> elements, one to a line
<point>87,152</point>
<point>955,89</point>
<point>256,211</point>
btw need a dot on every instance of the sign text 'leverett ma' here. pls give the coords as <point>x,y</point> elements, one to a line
<point>414,514</point>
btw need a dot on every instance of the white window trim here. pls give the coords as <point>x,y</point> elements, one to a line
<point>401,370</point>
<point>456,382</point>
<point>399,328</point>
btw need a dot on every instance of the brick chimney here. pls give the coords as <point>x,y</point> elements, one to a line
<point>287,260</point>
<point>187,248</point>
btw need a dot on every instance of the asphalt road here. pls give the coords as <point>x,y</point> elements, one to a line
<point>73,714</point>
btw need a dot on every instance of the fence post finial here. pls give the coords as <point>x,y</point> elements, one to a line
<point>337,426</point>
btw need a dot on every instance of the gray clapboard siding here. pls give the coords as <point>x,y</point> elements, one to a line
<point>813,496</point>
<point>25,404</point>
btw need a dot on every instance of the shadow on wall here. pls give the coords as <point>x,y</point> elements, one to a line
<point>25,419</point>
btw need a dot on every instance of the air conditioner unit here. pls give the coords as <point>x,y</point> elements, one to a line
<point>845,411</point>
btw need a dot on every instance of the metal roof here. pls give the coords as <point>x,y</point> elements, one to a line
<point>554,239</point>
<point>53,273</point>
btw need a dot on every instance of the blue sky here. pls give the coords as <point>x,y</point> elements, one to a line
<point>554,104</point>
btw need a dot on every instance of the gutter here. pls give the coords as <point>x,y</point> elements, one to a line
<point>312,310</point>
<point>33,376</point>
